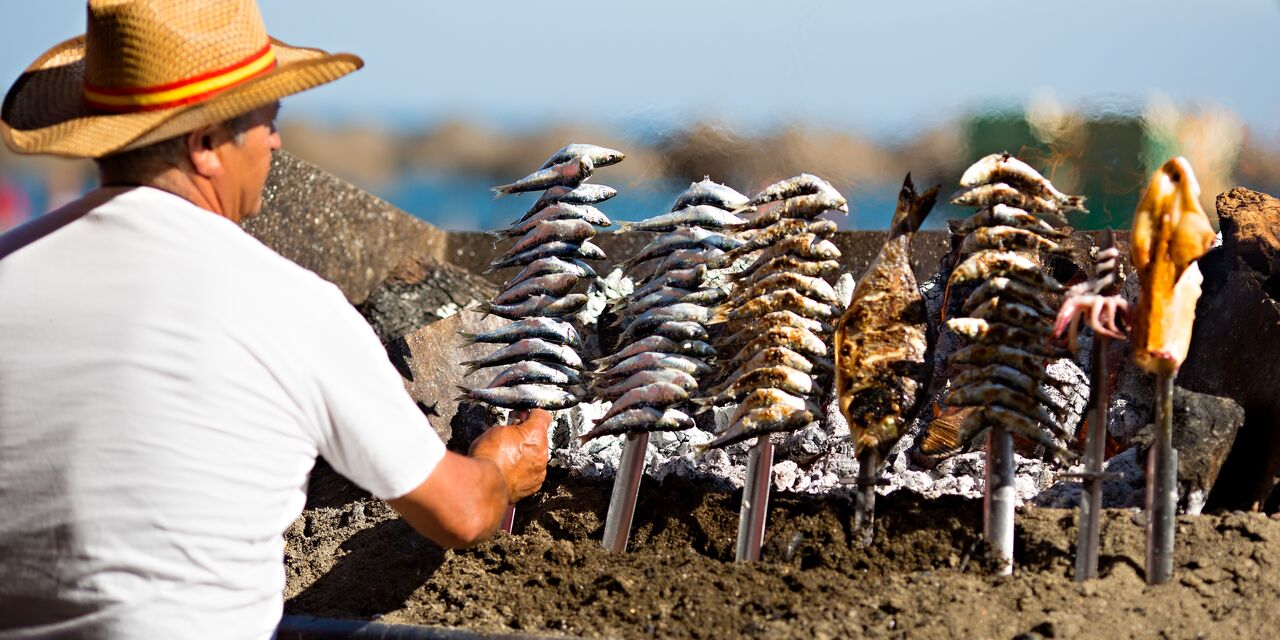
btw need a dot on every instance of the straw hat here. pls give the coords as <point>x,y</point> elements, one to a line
<point>147,70</point>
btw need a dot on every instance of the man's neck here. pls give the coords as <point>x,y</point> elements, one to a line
<point>195,190</point>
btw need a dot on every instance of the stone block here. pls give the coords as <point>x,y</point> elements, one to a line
<point>429,360</point>
<point>343,233</point>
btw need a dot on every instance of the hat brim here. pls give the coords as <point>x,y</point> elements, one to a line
<point>45,113</point>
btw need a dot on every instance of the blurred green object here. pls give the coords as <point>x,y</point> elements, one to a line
<point>1105,158</point>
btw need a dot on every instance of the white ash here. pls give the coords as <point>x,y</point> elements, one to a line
<point>450,308</point>
<point>1123,491</point>
<point>844,287</point>
<point>601,293</point>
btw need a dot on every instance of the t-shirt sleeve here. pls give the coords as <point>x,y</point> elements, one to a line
<point>372,431</point>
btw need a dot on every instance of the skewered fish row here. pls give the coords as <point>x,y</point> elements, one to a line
<point>542,367</point>
<point>663,321</point>
<point>1006,320</point>
<point>1008,312</point>
<point>777,321</point>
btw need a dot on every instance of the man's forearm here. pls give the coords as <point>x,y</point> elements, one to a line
<point>460,504</point>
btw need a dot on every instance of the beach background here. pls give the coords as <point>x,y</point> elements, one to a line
<point>459,97</point>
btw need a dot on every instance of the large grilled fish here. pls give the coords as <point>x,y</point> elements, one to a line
<point>881,339</point>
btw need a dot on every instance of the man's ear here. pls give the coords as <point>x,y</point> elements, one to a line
<point>201,146</point>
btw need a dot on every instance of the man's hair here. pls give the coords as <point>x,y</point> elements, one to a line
<point>143,163</point>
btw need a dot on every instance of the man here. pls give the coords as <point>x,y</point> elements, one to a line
<point>166,381</point>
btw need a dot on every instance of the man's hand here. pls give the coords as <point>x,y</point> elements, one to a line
<point>519,450</point>
<point>463,500</point>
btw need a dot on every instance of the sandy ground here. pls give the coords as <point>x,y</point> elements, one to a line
<point>924,576</point>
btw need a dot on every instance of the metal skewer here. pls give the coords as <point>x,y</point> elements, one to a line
<point>626,485</point>
<point>1091,479</point>
<point>1096,441</point>
<point>755,499</point>
<point>864,514</point>
<point>999,496</point>
<point>1162,486</point>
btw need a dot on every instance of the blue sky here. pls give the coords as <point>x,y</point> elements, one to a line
<point>885,68</point>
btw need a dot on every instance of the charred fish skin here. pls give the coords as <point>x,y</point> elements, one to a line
<point>569,172</point>
<point>1003,238</point>
<point>551,265</point>
<point>599,156</point>
<point>640,419</point>
<point>552,285</point>
<point>524,397</point>
<point>558,211</point>
<point>534,372</point>
<point>582,250</point>
<point>704,216</point>
<point>1003,167</point>
<point>785,299</point>
<point>770,235</point>
<point>646,377</point>
<point>547,329</point>
<point>790,380</point>
<point>806,207</point>
<point>1002,214</point>
<point>527,349</point>
<point>805,184</point>
<point>811,287</point>
<point>583,194</point>
<point>765,411</point>
<point>709,192</point>
<point>787,264</point>
<point>801,249</point>
<point>881,341</point>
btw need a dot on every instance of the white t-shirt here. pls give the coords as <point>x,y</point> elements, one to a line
<point>166,382</point>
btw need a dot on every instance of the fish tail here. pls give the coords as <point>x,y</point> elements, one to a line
<point>502,190</point>
<point>912,209</point>
<point>469,338</point>
<point>941,436</point>
<point>624,227</point>
<point>1074,203</point>
<point>464,396</point>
